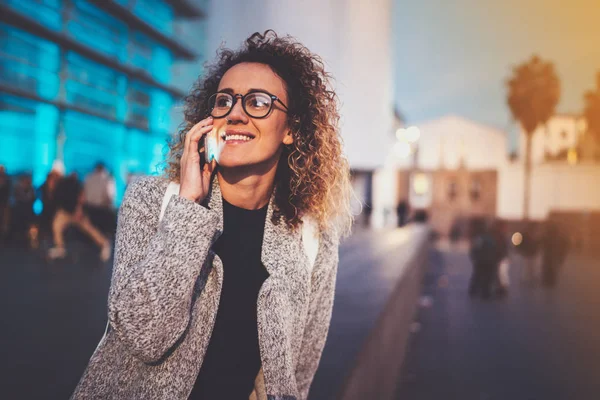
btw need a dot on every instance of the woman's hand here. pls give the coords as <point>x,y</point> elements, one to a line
<point>194,183</point>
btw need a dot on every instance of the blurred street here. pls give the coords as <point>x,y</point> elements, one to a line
<point>537,343</point>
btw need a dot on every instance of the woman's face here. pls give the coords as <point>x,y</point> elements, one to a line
<point>267,134</point>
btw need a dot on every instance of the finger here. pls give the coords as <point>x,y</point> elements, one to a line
<point>212,165</point>
<point>193,129</point>
<point>207,174</point>
<point>195,138</point>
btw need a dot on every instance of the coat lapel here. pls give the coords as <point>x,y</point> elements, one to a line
<point>280,301</point>
<point>215,201</point>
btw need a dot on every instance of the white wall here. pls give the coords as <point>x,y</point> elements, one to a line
<point>553,187</point>
<point>385,191</point>
<point>446,141</point>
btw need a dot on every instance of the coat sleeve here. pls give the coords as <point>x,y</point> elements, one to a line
<point>155,269</point>
<point>319,313</point>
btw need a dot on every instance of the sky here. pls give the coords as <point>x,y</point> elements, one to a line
<point>453,56</point>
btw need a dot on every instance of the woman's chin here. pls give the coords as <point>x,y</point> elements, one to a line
<point>229,163</point>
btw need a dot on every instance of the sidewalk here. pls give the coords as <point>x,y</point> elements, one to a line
<point>537,344</point>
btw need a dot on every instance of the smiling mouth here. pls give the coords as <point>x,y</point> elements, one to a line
<point>230,137</point>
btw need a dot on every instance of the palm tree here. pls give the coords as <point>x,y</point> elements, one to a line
<point>592,111</point>
<point>533,93</point>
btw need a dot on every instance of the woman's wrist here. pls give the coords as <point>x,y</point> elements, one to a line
<point>188,196</point>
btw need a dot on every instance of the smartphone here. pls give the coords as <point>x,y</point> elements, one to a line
<point>202,151</point>
<point>207,148</point>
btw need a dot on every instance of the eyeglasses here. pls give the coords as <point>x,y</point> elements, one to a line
<point>256,104</point>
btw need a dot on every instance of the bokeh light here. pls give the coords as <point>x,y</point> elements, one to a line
<point>517,238</point>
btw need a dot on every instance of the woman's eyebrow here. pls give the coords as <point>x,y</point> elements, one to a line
<point>252,90</point>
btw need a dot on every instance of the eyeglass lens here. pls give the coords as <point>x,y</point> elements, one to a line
<point>256,104</point>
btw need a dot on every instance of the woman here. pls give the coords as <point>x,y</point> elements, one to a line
<point>218,299</point>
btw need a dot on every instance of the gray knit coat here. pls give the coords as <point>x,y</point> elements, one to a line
<point>165,293</point>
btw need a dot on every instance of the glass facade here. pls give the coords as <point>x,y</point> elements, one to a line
<point>97,29</point>
<point>47,12</point>
<point>57,101</point>
<point>94,87</point>
<point>159,14</point>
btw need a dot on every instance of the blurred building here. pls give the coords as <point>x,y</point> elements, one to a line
<point>451,174</point>
<point>564,172</point>
<point>553,141</point>
<point>89,80</point>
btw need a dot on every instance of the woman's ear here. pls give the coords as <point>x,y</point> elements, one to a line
<point>288,138</point>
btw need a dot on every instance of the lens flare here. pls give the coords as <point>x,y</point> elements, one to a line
<point>214,144</point>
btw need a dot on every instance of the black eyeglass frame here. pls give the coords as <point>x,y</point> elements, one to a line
<point>243,97</point>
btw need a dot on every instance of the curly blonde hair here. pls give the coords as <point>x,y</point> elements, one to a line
<point>315,180</point>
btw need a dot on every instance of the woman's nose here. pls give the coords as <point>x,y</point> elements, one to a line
<point>237,113</point>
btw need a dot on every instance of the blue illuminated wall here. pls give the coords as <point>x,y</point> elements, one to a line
<point>48,91</point>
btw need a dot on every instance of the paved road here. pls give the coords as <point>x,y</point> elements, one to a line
<point>537,344</point>
<point>52,317</point>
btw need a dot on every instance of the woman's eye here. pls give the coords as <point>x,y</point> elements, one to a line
<point>222,102</point>
<point>257,102</point>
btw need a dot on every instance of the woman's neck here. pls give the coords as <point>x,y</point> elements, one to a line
<point>247,189</point>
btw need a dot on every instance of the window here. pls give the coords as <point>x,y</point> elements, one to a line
<point>28,135</point>
<point>475,190</point>
<point>452,190</point>
<point>150,57</point>
<point>89,140</point>
<point>139,101</point>
<point>148,108</point>
<point>28,62</point>
<point>157,13</point>
<point>140,51</point>
<point>97,29</point>
<point>94,87</point>
<point>144,152</point>
<point>46,12</point>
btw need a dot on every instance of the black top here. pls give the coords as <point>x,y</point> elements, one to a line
<point>232,359</point>
<point>67,192</point>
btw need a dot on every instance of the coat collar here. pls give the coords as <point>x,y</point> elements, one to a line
<point>280,244</point>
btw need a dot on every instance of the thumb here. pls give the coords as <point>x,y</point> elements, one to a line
<point>212,165</point>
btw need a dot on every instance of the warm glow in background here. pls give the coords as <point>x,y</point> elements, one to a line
<point>454,56</point>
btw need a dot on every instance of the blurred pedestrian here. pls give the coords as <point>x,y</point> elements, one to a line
<point>367,213</point>
<point>529,249</point>
<point>402,212</point>
<point>4,202</point>
<point>48,197</point>
<point>22,215</point>
<point>501,265</point>
<point>484,259</point>
<point>555,247</point>
<point>99,189</point>
<point>70,199</point>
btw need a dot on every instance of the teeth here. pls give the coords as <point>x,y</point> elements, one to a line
<point>237,137</point>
